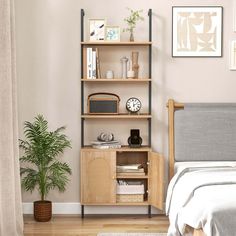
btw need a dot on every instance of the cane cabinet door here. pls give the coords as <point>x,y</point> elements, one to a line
<point>156,180</point>
<point>98,177</point>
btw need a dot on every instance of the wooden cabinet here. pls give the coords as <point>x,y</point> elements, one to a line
<point>99,177</point>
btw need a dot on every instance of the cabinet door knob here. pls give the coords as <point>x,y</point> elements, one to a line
<point>148,163</point>
<point>113,177</point>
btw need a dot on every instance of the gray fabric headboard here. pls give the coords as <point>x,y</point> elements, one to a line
<point>205,132</point>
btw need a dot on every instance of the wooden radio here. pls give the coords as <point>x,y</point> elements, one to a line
<point>103,103</point>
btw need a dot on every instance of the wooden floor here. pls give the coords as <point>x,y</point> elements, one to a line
<point>91,225</point>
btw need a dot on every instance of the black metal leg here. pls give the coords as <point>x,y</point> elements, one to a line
<point>82,211</point>
<point>149,211</point>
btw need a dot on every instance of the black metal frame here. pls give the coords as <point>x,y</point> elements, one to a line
<point>149,88</point>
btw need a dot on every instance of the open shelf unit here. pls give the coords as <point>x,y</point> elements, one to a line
<point>98,166</point>
<point>106,43</point>
<point>116,80</point>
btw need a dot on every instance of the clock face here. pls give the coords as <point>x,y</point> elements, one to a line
<point>133,105</point>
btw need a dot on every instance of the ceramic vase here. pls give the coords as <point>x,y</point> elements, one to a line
<point>124,61</point>
<point>135,65</point>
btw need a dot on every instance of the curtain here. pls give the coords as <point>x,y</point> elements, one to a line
<point>11,221</point>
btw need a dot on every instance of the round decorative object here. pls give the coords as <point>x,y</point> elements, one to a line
<point>133,105</point>
<point>105,137</point>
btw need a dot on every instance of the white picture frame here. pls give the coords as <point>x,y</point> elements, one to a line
<point>97,30</point>
<point>112,33</point>
<point>197,31</point>
<point>233,55</point>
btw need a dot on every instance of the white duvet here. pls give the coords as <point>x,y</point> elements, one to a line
<point>203,197</point>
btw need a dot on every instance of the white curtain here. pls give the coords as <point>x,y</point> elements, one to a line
<point>11,221</point>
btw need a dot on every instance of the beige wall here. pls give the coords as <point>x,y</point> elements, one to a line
<point>48,63</point>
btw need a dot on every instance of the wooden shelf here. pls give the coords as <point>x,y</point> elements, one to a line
<point>122,149</point>
<point>119,116</point>
<point>123,176</point>
<point>116,80</point>
<point>107,43</point>
<point>144,203</point>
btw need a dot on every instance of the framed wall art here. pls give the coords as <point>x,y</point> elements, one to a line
<point>234,15</point>
<point>112,33</point>
<point>197,31</point>
<point>97,29</point>
<point>233,55</point>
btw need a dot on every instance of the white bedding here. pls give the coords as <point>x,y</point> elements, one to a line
<point>203,197</point>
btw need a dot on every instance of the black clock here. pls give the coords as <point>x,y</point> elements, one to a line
<point>133,105</point>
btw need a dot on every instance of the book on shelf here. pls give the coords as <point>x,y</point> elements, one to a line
<point>130,166</point>
<point>93,64</point>
<point>89,63</point>
<point>113,146</point>
<point>98,64</point>
<point>105,142</point>
<point>129,170</point>
<point>130,174</point>
<point>106,145</point>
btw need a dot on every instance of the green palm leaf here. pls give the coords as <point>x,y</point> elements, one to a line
<point>41,150</point>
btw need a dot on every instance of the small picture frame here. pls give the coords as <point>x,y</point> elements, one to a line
<point>97,29</point>
<point>233,55</point>
<point>112,33</point>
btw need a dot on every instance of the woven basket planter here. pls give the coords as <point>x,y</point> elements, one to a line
<point>42,211</point>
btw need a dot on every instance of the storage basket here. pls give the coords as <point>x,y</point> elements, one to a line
<point>130,189</point>
<point>129,197</point>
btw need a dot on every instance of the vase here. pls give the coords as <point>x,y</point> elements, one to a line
<point>131,37</point>
<point>135,65</point>
<point>124,61</point>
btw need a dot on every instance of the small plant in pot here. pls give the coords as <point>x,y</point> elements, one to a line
<point>131,22</point>
<point>44,171</point>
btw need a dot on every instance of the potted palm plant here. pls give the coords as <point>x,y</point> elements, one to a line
<point>41,167</point>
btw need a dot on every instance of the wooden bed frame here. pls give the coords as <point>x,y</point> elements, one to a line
<point>172,107</point>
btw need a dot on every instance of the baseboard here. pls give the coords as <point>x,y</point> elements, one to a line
<point>74,208</point>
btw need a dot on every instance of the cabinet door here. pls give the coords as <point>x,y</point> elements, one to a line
<point>98,173</point>
<point>156,180</point>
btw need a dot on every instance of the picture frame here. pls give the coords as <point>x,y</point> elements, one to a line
<point>234,15</point>
<point>97,30</point>
<point>112,33</point>
<point>233,55</point>
<point>197,31</point>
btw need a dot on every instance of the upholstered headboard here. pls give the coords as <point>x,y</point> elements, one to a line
<point>201,132</point>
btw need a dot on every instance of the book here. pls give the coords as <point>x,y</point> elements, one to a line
<point>129,170</point>
<point>130,166</point>
<point>94,65</point>
<point>130,173</point>
<point>89,63</point>
<point>98,64</point>
<point>104,142</point>
<point>112,146</point>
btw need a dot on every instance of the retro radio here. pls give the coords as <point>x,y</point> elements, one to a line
<point>103,103</point>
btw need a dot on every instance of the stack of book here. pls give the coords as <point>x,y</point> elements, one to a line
<point>93,65</point>
<point>106,145</point>
<point>130,169</point>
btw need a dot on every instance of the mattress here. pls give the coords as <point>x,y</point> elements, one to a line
<point>181,165</point>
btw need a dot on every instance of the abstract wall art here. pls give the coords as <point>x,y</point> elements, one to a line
<point>233,55</point>
<point>197,31</point>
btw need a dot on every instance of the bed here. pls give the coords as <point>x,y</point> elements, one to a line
<point>201,196</point>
